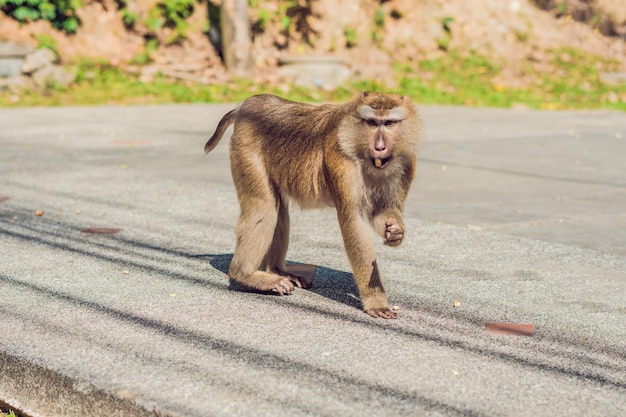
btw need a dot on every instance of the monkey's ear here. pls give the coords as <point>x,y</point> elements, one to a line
<point>366,94</point>
<point>407,101</point>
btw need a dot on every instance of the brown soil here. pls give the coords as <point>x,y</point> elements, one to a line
<point>512,33</point>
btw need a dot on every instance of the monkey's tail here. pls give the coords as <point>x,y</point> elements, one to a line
<point>227,120</point>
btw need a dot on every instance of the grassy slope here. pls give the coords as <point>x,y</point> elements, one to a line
<point>451,80</point>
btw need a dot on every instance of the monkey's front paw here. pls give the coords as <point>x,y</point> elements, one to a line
<point>393,233</point>
<point>384,313</point>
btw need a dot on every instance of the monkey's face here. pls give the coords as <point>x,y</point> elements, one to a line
<point>381,133</point>
<point>381,127</point>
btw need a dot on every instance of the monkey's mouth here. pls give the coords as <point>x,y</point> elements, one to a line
<point>380,163</point>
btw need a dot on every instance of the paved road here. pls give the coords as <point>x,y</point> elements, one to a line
<point>518,215</point>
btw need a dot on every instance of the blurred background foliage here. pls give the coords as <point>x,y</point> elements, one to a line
<point>442,69</point>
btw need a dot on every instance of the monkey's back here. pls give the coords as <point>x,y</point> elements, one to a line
<point>289,140</point>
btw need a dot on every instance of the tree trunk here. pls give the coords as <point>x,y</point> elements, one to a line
<point>236,43</point>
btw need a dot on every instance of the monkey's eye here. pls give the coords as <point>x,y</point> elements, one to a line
<point>372,122</point>
<point>389,123</point>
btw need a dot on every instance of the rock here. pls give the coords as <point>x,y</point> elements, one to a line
<point>41,76</point>
<point>317,72</point>
<point>38,59</point>
<point>10,67</point>
<point>11,58</point>
<point>53,75</point>
<point>613,78</point>
<point>15,83</point>
<point>12,50</point>
<point>17,62</point>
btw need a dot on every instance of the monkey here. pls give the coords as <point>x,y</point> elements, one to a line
<point>358,157</point>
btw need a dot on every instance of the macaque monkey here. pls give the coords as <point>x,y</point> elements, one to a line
<point>358,157</point>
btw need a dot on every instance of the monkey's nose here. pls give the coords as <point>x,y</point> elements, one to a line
<point>380,144</point>
<point>381,152</point>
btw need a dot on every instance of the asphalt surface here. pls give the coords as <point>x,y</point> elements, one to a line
<point>516,216</point>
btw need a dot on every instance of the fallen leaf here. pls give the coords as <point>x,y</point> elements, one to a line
<point>510,329</point>
<point>39,213</point>
<point>306,272</point>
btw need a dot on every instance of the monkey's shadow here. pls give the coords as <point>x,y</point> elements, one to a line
<point>330,283</point>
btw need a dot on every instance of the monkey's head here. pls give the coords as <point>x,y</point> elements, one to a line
<point>388,129</point>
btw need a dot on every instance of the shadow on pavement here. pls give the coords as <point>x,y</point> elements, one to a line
<point>331,283</point>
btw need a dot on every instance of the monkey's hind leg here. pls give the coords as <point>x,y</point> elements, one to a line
<point>275,259</point>
<point>255,230</point>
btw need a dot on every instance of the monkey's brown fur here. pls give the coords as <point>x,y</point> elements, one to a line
<point>358,157</point>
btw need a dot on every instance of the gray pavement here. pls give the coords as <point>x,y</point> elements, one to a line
<point>519,215</point>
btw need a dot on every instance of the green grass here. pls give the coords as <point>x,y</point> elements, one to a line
<point>9,413</point>
<point>455,80</point>
<point>99,83</point>
<point>573,82</point>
